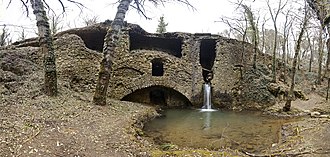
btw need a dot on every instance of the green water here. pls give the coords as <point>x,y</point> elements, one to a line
<point>248,131</point>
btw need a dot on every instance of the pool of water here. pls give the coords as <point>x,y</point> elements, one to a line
<point>248,131</point>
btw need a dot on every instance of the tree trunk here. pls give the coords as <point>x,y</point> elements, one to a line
<point>311,47</point>
<point>274,54</point>
<point>263,38</point>
<point>301,58</point>
<point>320,50</point>
<point>287,105</point>
<point>327,98</point>
<point>255,44</point>
<point>110,43</point>
<point>284,58</point>
<point>328,60</point>
<point>250,19</point>
<point>288,53</point>
<point>46,46</point>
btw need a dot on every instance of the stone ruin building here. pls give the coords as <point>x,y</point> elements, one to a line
<point>169,69</point>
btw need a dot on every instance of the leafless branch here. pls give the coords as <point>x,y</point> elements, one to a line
<point>78,4</point>
<point>233,23</point>
<point>139,5</point>
<point>12,25</point>
<point>9,4</point>
<point>25,6</point>
<point>63,8</point>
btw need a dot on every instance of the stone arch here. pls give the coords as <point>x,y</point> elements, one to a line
<point>159,95</point>
<point>146,82</point>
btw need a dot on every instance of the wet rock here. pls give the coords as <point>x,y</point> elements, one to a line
<point>324,116</point>
<point>306,111</point>
<point>315,114</point>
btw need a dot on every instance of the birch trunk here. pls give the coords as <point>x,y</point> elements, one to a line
<point>110,43</point>
<point>46,46</point>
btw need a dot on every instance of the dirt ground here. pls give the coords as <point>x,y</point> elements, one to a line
<point>33,124</point>
<point>308,135</point>
<point>69,125</point>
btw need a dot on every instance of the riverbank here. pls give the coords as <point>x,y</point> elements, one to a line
<point>69,125</point>
<point>33,124</point>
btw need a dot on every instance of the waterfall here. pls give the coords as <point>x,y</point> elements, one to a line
<point>207,106</point>
<point>207,96</point>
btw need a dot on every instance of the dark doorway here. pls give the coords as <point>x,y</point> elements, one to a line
<point>157,67</point>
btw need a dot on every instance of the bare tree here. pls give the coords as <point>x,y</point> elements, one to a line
<point>111,42</point>
<point>304,46</point>
<point>287,105</point>
<point>274,15</point>
<point>90,20</point>
<point>311,48</point>
<point>251,20</point>
<point>226,33</point>
<point>287,26</point>
<point>4,36</point>
<point>237,26</point>
<point>55,23</point>
<point>322,10</point>
<point>263,33</point>
<point>22,34</point>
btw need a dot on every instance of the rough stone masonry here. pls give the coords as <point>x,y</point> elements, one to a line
<point>169,69</point>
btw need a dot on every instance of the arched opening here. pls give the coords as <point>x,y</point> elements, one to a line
<point>207,56</point>
<point>157,67</point>
<point>159,95</point>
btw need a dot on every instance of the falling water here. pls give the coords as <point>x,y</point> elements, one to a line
<point>207,106</point>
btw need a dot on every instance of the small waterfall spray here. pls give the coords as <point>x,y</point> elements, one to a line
<point>207,106</point>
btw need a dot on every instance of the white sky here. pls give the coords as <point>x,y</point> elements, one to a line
<point>178,16</point>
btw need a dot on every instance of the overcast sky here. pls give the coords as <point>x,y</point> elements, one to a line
<point>179,17</point>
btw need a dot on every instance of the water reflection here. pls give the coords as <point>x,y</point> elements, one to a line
<point>247,131</point>
<point>207,120</point>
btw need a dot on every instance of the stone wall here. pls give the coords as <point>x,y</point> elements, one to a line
<point>182,57</point>
<point>167,69</point>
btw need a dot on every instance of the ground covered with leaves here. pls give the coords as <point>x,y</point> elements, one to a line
<point>33,124</point>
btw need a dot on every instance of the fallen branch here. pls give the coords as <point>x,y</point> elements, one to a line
<point>27,140</point>
<point>32,137</point>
